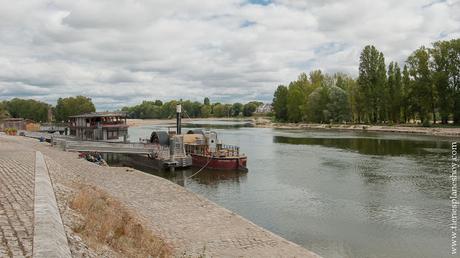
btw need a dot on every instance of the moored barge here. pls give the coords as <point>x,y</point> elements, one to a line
<point>204,148</point>
<point>207,151</point>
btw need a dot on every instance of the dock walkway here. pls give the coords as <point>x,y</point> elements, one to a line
<point>190,223</point>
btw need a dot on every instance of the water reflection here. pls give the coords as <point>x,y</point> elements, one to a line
<point>370,146</point>
<point>181,176</point>
<point>340,194</point>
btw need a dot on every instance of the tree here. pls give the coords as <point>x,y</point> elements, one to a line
<point>249,109</point>
<point>280,100</point>
<point>28,109</point>
<point>298,92</point>
<point>206,101</point>
<point>317,105</point>
<point>350,86</point>
<point>72,106</point>
<point>168,110</point>
<point>454,77</point>
<point>316,77</point>
<point>196,109</point>
<point>328,103</point>
<point>371,83</point>
<point>406,94</point>
<point>422,91</point>
<point>205,111</point>
<point>237,109</point>
<point>394,92</point>
<point>440,75</point>
<point>218,110</point>
<point>3,110</point>
<point>337,105</point>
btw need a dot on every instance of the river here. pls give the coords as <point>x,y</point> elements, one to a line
<point>339,194</point>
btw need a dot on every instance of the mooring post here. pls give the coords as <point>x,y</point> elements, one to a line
<point>178,120</point>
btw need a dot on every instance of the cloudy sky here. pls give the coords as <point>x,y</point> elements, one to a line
<point>122,52</point>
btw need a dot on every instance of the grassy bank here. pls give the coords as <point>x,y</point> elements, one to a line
<point>106,223</point>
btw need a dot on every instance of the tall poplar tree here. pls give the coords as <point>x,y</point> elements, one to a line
<point>280,100</point>
<point>371,83</point>
<point>422,91</point>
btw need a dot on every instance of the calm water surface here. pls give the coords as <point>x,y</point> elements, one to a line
<point>339,194</point>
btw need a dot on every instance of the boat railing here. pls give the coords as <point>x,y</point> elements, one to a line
<point>229,150</point>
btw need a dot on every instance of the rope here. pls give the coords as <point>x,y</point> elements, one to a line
<point>185,112</point>
<point>196,173</point>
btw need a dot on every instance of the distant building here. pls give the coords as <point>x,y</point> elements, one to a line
<point>264,108</point>
<point>99,126</point>
<point>17,123</point>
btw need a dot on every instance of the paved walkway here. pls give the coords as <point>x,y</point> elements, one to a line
<point>16,200</point>
<point>189,222</point>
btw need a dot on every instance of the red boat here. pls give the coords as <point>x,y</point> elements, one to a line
<point>224,163</point>
<point>207,152</point>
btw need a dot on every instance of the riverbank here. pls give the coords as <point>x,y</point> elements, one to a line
<point>264,122</point>
<point>146,122</point>
<point>189,224</point>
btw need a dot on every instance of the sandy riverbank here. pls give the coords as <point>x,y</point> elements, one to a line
<point>263,122</point>
<point>143,122</point>
<point>434,131</point>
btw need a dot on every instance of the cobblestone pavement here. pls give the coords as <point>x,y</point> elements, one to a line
<point>190,223</point>
<point>16,199</point>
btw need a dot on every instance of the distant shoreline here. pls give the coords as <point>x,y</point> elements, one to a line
<point>263,122</point>
<point>144,122</point>
<point>432,131</point>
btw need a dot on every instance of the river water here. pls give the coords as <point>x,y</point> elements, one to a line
<point>339,194</point>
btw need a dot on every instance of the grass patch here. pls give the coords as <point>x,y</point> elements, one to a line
<point>105,222</point>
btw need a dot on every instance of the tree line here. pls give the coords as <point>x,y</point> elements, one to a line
<point>38,110</point>
<point>426,89</point>
<point>65,107</point>
<point>193,109</point>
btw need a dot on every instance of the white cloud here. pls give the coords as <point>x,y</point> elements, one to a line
<point>121,52</point>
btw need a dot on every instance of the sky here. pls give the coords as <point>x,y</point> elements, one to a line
<point>120,52</point>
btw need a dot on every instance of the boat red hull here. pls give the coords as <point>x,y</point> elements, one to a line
<point>224,163</point>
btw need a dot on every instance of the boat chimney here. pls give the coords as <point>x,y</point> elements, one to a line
<point>178,118</point>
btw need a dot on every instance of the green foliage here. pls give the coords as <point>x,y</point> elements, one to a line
<point>429,84</point>
<point>249,108</point>
<point>168,110</point>
<point>337,106</point>
<point>298,92</point>
<point>26,108</point>
<point>406,94</point>
<point>280,101</point>
<point>3,110</point>
<point>205,111</point>
<point>328,103</point>
<point>157,109</point>
<point>318,105</point>
<point>422,94</point>
<point>206,101</point>
<point>219,110</point>
<point>445,66</point>
<point>72,106</point>
<point>371,83</point>
<point>394,86</point>
<point>237,109</point>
